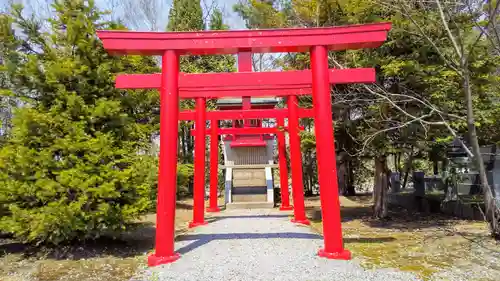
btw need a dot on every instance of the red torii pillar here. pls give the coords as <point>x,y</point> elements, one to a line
<point>296,159</point>
<point>283,167</point>
<point>214,167</point>
<point>167,168</point>
<point>199,165</point>
<point>325,150</point>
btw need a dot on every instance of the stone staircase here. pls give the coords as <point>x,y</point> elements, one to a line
<point>249,190</point>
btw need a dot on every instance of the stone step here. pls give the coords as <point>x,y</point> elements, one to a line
<point>249,205</point>
<point>249,190</point>
<point>249,197</point>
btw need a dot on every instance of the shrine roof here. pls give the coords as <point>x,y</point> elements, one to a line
<point>256,41</point>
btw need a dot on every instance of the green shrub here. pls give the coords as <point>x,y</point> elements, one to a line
<point>73,197</point>
<point>73,165</point>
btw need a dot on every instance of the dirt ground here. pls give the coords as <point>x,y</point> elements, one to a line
<point>104,259</point>
<point>435,247</point>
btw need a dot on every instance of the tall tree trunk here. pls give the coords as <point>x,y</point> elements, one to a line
<point>380,188</point>
<point>396,161</point>
<point>351,190</point>
<point>408,165</point>
<point>310,171</point>
<point>492,212</point>
<point>341,175</point>
<point>400,168</point>
<point>435,167</point>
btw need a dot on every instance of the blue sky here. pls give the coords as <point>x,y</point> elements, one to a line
<point>42,9</point>
<point>230,18</point>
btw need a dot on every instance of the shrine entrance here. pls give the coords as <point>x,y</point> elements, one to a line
<point>174,85</point>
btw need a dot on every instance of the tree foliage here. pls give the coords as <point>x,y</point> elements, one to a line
<point>417,102</point>
<point>186,15</point>
<point>75,165</point>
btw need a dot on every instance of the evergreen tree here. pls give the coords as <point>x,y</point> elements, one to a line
<point>6,98</point>
<point>216,21</point>
<point>75,165</point>
<point>187,15</point>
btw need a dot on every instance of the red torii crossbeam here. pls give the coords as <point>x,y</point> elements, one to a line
<point>240,83</point>
<point>317,41</point>
<point>336,38</point>
<point>246,114</point>
<point>246,131</point>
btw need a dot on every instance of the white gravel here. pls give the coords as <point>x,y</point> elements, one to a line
<point>254,245</point>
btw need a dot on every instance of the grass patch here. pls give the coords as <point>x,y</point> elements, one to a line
<point>424,245</point>
<point>103,259</point>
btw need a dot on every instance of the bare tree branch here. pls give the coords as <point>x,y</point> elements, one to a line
<point>404,10</point>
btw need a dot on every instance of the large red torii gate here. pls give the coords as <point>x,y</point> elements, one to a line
<point>317,41</point>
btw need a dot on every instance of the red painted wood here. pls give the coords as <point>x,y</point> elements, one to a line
<point>299,212</point>
<point>325,149</point>
<point>241,131</point>
<point>245,62</point>
<point>248,143</point>
<point>234,41</point>
<point>214,167</point>
<point>199,165</point>
<point>270,83</point>
<point>167,170</point>
<point>246,131</point>
<point>245,65</point>
<point>283,169</point>
<point>250,114</point>
<point>239,107</point>
<point>232,137</point>
<point>232,93</point>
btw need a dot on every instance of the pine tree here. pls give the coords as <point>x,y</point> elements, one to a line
<point>6,99</point>
<point>187,15</point>
<point>74,166</point>
<point>216,21</point>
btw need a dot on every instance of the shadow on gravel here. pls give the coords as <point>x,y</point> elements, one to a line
<point>202,239</point>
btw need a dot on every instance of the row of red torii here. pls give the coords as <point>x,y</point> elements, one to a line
<point>174,85</point>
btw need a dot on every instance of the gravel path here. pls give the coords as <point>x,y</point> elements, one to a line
<point>254,245</point>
